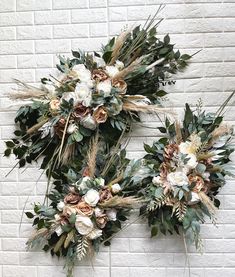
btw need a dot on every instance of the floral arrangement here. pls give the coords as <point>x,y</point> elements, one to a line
<point>84,211</point>
<point>94,91</point>
<point>186,170</point>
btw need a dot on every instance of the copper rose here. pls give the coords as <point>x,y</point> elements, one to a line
<point>102,220</point>
<point>121,85</point>
<point>105,194</point>
<point>84,209</point>
<point>67,211</point>
<point>169,151</point>
<point>72,198</point>
<point>59,127</point>
<point>197,181</point>
<point>100,115</point>
<point>80,111</point>
<point>99,75</point>
<point>55,104</point>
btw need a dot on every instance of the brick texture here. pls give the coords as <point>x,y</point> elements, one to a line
<point>32,33</point>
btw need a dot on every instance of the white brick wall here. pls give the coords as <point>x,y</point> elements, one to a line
<point>32,32</point>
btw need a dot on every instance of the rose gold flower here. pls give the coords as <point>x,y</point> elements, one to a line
<point>59,127</point>
<point>84,209</point>
<point>105,194</point>
<point>67,211</point>
<point>80,111</point>
<point>100,115</point>
<point>54,104</point>
<point>169,151</point>
<point>102,220</point>
<point>72,198</point>
<point>197,181</point>
<point>120,84</point>
<point>99,75</point>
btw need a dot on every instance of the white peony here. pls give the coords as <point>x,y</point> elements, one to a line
<point>105,87</point>
<point>83,183</point>
<point>83,74</point>
<point>192,162</point>
<point>60,206</point>
<point>190,147</point>
<point>111,70</point>
<point>59,231</point>
<point>83,94</point>
<point>88,122</point>
<point>83,224</point>
<point>157,180</point>
<point>94,234</point>
<point>115,188</point>
<point>112,214</point>
<point>72,128</point>
<point>92,197</point>
<point>119,65</point>
<point>177,178</point>
<point>99,61</point>
<point>98,212</point>
<point>194,198</point>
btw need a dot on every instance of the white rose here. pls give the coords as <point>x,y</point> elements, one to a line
<point>98,212</point>
<point>83,224</point>
<point>72,128</point>
<point>88,122</point>
<point>83,94</point>
<point>111,70</point>
<point>83,74</point>
<point>112,214</point>
<point>60,206</point>
<point>94,234</point>
<point>99,61</point>
<point>83,183</point>
<point>92,197</point>
<point>194,198</point>
<point>157,180</point>
<point>119,65</point>
<point>115,188</point>
<point>185,148</point>
<point>105,87</point>
<point>59,231</point>
<point>192,162</point>
<point>177,178</point>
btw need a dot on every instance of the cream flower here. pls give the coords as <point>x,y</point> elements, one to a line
<point>89,122</point>
<point>98,212</point>
<point>190,147</point>
<point>99,61</point>
<point>194,198</point>
<point>111,70</point>
<point>157,180</point>
<point>115,188</point>
<point>83,183</point>
<point>54,104</point>
<point>83,224</point>
<point>83,74</point>
<point>83,94</point>
<point>119,65</point>
<point>104,87</point>
<point>60,206</point>
<point>92,197</point>
<point>192,161</point>
<point>72,128</point>
<point>177,178</point>
<point>112,214</point>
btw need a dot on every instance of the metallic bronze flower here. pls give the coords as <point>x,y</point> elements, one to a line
<point>99,75</point>
<point>100,115</point>
<point>80,111</point>
<point>105,194</point>
<point>120,84</point>
<point>72,198</point>
<point>84,209</point>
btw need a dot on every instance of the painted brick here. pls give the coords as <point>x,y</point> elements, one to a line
<point>89,15</point>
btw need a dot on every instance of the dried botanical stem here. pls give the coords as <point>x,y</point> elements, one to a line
<point>120,202</point>
<point>37,126</point>
<point>63,137</point>
<point>116,180</point>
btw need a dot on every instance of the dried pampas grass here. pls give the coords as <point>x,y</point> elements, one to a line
<point>208,203</point>
<point>91,155</point>
<point>120,202</point>
<point>37,126</point>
